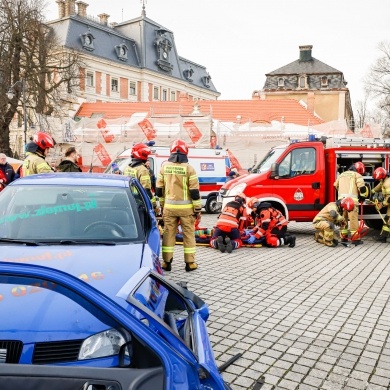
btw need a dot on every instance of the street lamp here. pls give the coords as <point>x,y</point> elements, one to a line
<point>11,95</point>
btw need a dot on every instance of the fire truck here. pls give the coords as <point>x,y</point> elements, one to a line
<point>298,178</point>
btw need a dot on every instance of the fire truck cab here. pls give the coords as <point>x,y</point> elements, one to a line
<point>298,178</point>
<point>211,165</point>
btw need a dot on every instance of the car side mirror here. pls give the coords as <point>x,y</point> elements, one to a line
<point>274,170</point>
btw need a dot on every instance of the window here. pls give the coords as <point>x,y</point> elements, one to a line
<point>90,81</point>
<point>324,81</point>
<point>302,82</point>
<point>164,95</point>
<point>173,96</point>
<point>132,88</point>
<point>156,94</point>
<point>280,82</point>
<point>114,85</point>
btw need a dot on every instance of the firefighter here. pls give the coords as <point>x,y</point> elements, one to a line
<point>329,217</point>
<point>7,173</point>
<point>37,150</point>
<point>271,225</point>
<point>230,224</point>
<point>350,184</point>
<point>381,197</point>
<point>177,187</point>
<point>137,169</point>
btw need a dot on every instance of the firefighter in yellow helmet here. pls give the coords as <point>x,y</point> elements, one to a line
<point>350,184</point>
<point>178,189</point>
<point>37,151</point>
<point>137,168</point>
<point>329,217</point>
<point>381,197</point>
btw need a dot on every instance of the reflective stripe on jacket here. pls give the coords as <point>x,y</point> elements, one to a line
<point>35,163</point>
<point>348,184</point>
<point>232,216</point>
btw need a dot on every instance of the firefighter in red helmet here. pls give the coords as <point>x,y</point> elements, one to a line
<point>381,197</point>
<point>137,169</point>
<point>271,226</point>
<point>177,187</point>
<point>350,184</point>
<point>329,217</point>
<point>231,222</point>
<point>36,152</point>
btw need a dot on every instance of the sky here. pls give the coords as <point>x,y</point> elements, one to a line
<point>240,41</point>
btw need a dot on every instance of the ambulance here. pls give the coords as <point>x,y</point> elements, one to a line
<point>211,165</point>
<point>298,178</point>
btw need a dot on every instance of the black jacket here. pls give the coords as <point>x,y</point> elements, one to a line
<point>68,166</point>
<point>8,172</point>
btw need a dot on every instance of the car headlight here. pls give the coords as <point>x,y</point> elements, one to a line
<point>106,343</point>
<point>236,189</point>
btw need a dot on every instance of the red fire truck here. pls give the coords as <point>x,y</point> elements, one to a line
<point>298,178</point>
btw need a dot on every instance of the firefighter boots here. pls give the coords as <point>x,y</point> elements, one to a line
<point>167,266</point>
<point>191,267</point>
<point>221,245</point>
<point>290,241</point>
<point>380,238</point>
<point>229,245</point>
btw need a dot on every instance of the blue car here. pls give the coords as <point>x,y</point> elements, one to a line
<point>81,286</point>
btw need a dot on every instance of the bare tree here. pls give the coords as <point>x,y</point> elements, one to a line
<point>31,57</point>
<point>377,84</point>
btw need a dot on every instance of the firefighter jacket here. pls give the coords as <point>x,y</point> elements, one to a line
<point>68,166</point>
<point>267,220</point>
<point>35,163</point>
<point>178,188</point>
<point>233,216</point>
<point>350,184</point>
<point>138,170</point>
<point>7,174</point>
<point>384,187</point>
<point>330,213</point>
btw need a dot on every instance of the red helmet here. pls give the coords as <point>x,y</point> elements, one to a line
<point>43,140</point>
<point>240,198</point>
<point>179,146</point>
<point>347,204</point>
<point>379,173</point>
<point>360,168</point>
<point>252,203</point>
<point>140,151</point>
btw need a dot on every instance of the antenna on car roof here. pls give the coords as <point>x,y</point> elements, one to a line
<point>91,167</point>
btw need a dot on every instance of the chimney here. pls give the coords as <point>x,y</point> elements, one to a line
<point>305,53</point>
<point>61,8</point>
<point>82,8</point>
<point>69,7</point>
<point>103,19</point>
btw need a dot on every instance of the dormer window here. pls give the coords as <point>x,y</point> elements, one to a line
<point>87,41</point>
<point>302,82</point>
<point>280,82</point>
<point>324,81</point>
<point>206,80</point>
<point>121,52</point>
<point>188,73</point>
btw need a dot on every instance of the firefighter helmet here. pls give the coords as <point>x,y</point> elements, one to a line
<point>263,205</point>
<point>43,140</point>
<point>347,204</point>
<point>179,146</point>
<point>252,203</point>
<point>140,151</point>
<point>360,168</point>
<point>241,198</point>
<point>379,173</point>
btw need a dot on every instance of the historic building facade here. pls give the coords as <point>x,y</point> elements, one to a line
<point>317,85</point>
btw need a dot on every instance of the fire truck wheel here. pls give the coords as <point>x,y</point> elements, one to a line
<point>375,224</point>
<point>212,206</point>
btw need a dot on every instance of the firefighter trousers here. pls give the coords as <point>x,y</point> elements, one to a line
<point>353,217</point>
<point>171,223</point>
<point>324,233</point>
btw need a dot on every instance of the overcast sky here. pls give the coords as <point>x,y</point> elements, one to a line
<point>239,41</point>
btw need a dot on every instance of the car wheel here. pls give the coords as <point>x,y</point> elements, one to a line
<point>212,206</point>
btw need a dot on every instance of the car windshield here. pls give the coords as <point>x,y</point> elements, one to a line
<point>52,213</point>
<point>271,157</point>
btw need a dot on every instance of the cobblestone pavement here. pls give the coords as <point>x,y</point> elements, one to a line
<point>309,317</point>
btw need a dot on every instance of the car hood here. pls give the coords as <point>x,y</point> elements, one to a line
<point>37,311</point>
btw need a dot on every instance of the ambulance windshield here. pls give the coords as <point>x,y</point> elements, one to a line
<point>271,157</point>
